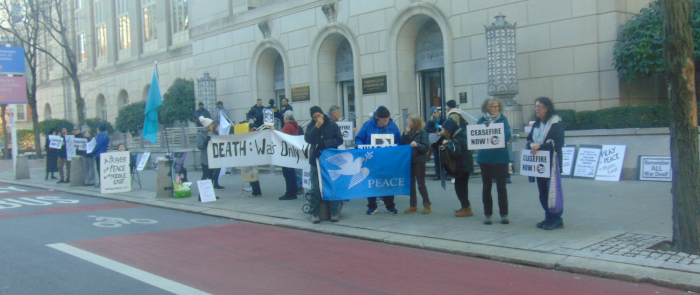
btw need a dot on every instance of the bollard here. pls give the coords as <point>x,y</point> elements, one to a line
<point>22,169</point>
<point>77,174</point>
<point>164,183</point>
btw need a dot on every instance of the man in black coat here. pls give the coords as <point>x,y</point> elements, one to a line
<point>256,114</point>
<point>201,111</point>
<point>285,106</point>
<point>322,134</point>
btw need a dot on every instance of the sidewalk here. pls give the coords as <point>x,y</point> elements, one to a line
<point>609,226</point>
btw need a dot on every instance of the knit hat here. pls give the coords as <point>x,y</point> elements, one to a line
<point>205,121</point>
<point>315,109</point>
<point>432,110</point>
<point>382,112</point>
<point>451,126</point>
<point>102,127</point>
<point>452,103</point>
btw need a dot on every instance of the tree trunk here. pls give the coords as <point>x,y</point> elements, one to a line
<point>79,101</point>
<point>680,74</point>
<point>5,136</point>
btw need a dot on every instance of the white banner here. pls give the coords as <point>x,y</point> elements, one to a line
<point>70,147</point>
<point>267,147</point>
<point>115,176</point>
<point>143,161</point>
<point>610,163</point>
<point>55,141</point>
<point>537,165</point>
<point>480,137</point>
<point>346,130</point>
<point>80,143</point>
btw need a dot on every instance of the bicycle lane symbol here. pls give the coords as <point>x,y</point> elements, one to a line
<point>113,222</point>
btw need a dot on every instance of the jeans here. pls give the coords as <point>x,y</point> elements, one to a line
<point>388,201</point>
<point>543,186</point>
<point>497,171</point>
<point>89,167</point>
<point>315,199</point>
<point>290,178</point>
<point>418,179</point>
<point>299,177</point>
<point>462,189</point>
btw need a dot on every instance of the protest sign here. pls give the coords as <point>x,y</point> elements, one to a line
<point>241,128</point>
<point>249,174</point>
<point>382,139</point>
<point>55,141</point>
<point>568,156</point>
<point>90,145</point>
<point>612,158</point>
<point>655,168</point>
<point>587,161</point>
<point>268,118</point>
<point>267,147</point>
<point>206,191</point>
<point>358,173</point>
<point>480,137</point>
<point>143,161</point>
<point>371,146</point>
<point>346,130</point>
<point>306,179</point>
<point>114,172</point>
<point>70,147</point>
<point>80,144</point>
<point>537,165</point>
<point>433,137</point>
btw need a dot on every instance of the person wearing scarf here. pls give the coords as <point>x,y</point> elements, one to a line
<point>547,134</point>
<point>494,162</point>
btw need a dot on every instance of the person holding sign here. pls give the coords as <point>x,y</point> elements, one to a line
<point>89,163</point>
<point>291,127</point>
<point>455,154</point>
<point>51,156</point>
<point>494,162</point>
<point>547,134</point>
<point>418,139</point>
<point>101,144</point>
<point>203,137</point>
<point>63,158</point>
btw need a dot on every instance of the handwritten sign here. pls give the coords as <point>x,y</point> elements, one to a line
<point>612,158</point>
<point>258,148</point>
<point>346,130</point>
<point>587,161</point>
<point>568,157</point>
<point>80,144</point>
<point>655,168</point>
<point>249,174</point>
<point>90,145</point>
<point>306,178</point>
<point>268,118</point>
<point>55,141</point>
<point>143,161</point>
<point>537,165</point>
<point>480,137</point>
<point>114,172</point>
<point>382,139</point>
<point>70,147</point>
<point>206,191</point>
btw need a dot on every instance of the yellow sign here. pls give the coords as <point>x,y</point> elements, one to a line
<point>241,128</point>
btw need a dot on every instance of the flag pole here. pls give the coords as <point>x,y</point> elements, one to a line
<point>170,157</point>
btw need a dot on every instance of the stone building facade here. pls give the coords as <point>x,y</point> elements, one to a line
<point>410,54</point>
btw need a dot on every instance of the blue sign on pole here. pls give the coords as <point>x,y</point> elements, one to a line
<point>12,60</point>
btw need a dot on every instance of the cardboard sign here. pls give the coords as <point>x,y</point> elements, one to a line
<point>382,139</point>
<point>249,174</point>
<point>143,161</point>
<point>80,144</point>
<point>568,157</point>
<point>206,191</point>
<point>537,165</point>
<point>90,145</point>
<point>587,161</point>
<point>480,137</point>
<point>306,178</point>
<point>346,130</point>
<point>115,176</point>
<point>610,164</point>
<point>70,147</point>
<point>55,141</point>
<point>371,146</point>
<point>268,118</point>
<point>655,168</point>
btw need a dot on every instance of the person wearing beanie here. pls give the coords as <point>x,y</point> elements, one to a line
<point>203,137</point>
<point>454,153</point>
<point>63,158</point>
<point>380,123</point>
<point>322,133</point>
<point>200,112</point>
<point>101,144</point>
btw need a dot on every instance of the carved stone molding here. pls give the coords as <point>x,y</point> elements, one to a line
<point>264,28</point>
<point>329,11</point>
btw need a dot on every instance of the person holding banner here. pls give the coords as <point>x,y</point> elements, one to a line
<point>256,114</point>
<point>221,110</point>
<point>494,162</point>
<point>547,134</point>
<point>51,156</point>
<point>454,148</point>
<point>433,128</point>
<point>88,163</point>
<point>291,127</point>
<point>63,159</point>
<point>203,137</point>
<point>321,134</point>
<point>380,123</point>
<point>101,144</point>
<point>418,139</point>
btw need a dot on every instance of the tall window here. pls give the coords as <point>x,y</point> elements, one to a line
<point>149,20</point>
<point>82,54</point>
<point>100,30</point>
<point>180,20</point>
<point>124,24</point>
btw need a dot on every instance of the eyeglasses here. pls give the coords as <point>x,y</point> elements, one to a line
<point>494,107</point>
<point>539,106</point>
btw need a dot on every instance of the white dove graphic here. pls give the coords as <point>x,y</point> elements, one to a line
<point>348,166</point>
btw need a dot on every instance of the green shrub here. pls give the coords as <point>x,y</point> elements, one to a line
<point>644,116</point>
<point>131,118</point>
<point>95,122</point>
<point>46,125</point>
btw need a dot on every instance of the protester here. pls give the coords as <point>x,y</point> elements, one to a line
<point>457,154</point>
<point>433,127</point>
<point>132,157</point>
<point>285,106</point>
<point>63,158</point>
<point>494,162</point>
<point>291,127</point>
<point>51,157</point>
<point>274,109</point>
<point>101,144</point>
<point>417,137</point>
<point>203,137</point>
<point>200,112</point>
<point>216,172</point>
<point>256,114</point>
<point>89,163</point>
<point>220,109</point>
<point>321,134</point>
<point>380,123</point>
<point>547,134</point>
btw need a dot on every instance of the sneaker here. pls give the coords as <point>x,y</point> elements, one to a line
<point>248,188</point>
<point>335,218</point>
<point>504,219</point>
<point>487,221</point>
<point>60,181</point>
<point>371,211</point>
<point>554,225</point>
<point>542,223</point>
<point>380,202</point>
<point>315,219</point>
<point>218,188</point>
<point>392,211</point>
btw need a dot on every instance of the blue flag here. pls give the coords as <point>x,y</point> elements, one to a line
<point>363,173</point>
<point>150,124</point>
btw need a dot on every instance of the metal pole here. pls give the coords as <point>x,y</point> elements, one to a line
<point>13,125</point>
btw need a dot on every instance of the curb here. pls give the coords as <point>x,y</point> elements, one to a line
<point>599,268</point>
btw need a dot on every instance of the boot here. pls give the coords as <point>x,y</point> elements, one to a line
<point>458,210</point>
<point>426,208</point>
<point>411,210</point>
<point>465,212</point>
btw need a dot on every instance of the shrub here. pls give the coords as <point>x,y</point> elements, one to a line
<point>46,125</point>
<point>131,118</point>
<point>644,116</point>
<point>95,122</point>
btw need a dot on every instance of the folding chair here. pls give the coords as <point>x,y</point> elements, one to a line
<point>134,173</point>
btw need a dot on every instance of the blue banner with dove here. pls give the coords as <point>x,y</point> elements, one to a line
<point>363,173</point>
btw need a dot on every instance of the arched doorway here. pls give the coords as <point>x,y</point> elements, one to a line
<point>122,99</point>
<point>47,111</point>
<point>429,63</point>
<point>144,93</point>
<point>100,111</point>
<point>270,76</point>
<point>337,75</point>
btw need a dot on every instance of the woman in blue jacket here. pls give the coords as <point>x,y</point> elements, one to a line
<point>494,162</point>
<point>101,144</point>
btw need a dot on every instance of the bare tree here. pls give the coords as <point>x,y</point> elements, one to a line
<point>680,74</point>
<point>23,26</point>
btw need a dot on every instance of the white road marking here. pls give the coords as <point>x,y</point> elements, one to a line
<point>146,277</point>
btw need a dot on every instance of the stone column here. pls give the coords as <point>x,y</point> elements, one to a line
<point>22,169</point>
<point>77,175</point>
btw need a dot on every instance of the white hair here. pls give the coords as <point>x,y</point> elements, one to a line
<point>289,115</point>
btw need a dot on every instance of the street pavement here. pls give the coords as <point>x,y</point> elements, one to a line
<point>63,243</point>
<point>605,222</point>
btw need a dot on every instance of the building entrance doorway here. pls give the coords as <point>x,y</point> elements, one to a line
<point>347,94</point>
<point>432,91</point>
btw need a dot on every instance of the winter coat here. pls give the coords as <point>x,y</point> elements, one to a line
<point>63,153</point>
<point>493,156</point>
<point>555,135</point>
<point>101,144</point>
<point>432,125</point>
<point>286,108</point>
<point>419,153</point>
<point>202,143</point>
<point>197,113</point>
<point>291,128</point>
<point>457,149</point>
<point>51,157</point>
<point>256,114</point>
<point>326,137</point>
<point>364,136</point>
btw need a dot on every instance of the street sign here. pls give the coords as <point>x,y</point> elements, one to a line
<point>12,60</point>
<point>11,115</point>
<point>13,90</point>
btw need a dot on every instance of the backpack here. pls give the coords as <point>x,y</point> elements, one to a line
<point>449,162</point>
